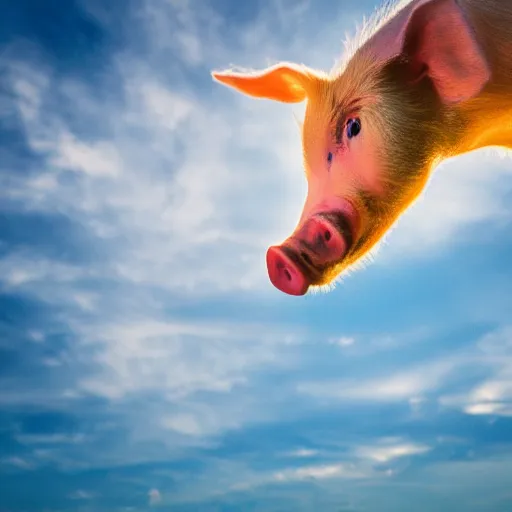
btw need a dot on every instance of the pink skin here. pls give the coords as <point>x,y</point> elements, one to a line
<point>354,167</point>
<point>317,243</point>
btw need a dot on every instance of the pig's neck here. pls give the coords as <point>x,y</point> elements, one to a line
<point>489,125</point>
<point>489,116</point>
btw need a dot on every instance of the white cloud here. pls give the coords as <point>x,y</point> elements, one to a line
<point>86,301</point>
<point>183,424</point>
<point>302,453</point>
<point>48,280</point>
<point>165,108</point>
<point>344,341</point>
<point>176,359</point>
<point>50,439</point>
<point>17,462</point>
<point>154,497</point>
<point>489,408</point>
<point>398,386</point>
<point>29,85</point>
<point>52,362</point>
<point>36,336</point>
<point>493,394</point>
<point>97,159</point>
<point>493,390</point>
<point>320,472</point>
<point>168,211</point>
<point>80,494</point>
<point>20,269</point>
<point>390,450</point>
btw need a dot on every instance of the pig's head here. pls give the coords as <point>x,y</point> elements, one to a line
<point>372,132</point>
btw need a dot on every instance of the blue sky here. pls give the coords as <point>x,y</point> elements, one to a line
<point>147,363</point>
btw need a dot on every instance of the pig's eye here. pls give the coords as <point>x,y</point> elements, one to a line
<point>353,127</point>
<point>329,157</point>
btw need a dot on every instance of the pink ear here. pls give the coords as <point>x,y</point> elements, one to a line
<point>284,82</point>
<point>437,38</point>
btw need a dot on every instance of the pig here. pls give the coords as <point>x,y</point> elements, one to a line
<point>424,80</point>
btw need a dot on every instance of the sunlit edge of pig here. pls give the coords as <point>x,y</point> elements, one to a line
<point>424,81</point>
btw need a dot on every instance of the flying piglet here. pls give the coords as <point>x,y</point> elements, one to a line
<point>427,80</point>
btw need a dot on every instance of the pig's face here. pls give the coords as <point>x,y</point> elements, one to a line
<point>367,146</point>
<point>371,134</point>
<point>367,155</point>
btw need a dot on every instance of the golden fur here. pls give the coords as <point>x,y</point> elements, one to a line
<point>420,132</point>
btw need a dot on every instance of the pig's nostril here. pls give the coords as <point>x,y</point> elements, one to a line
<point>327,235</point>
<point>306,258</point>
<point>284,274</point>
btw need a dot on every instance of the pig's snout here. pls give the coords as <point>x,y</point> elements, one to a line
<point>284,274</point>
<point>300,261</point>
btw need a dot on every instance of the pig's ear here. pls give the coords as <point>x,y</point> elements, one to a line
<point>438,40</point>
<point>284,82</point>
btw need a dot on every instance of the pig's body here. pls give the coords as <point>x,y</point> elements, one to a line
<point>489,113</point>
<point>425,80</point>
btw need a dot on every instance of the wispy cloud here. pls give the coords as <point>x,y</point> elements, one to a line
<point>80,494</point>
<point>344,341</point>
<point>17,462</point>
<point>493,394</point>
<point>320,472</point>
<point>49,439</point>
<point>389,450</point>
<point>398,386</point>
<point>163,180</point>
<point>302,453</point>
<point>177,359</point>
<point>154,497</point>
